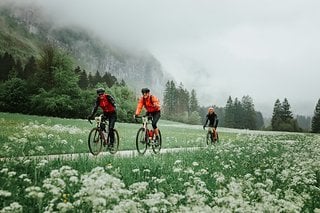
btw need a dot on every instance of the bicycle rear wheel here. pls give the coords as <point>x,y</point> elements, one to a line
<point>141,141</point>
<point>113,149</point>
<point>95,141</point>
<point>156,146</point>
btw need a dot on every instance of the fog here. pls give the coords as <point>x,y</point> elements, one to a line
<point>266,49</point>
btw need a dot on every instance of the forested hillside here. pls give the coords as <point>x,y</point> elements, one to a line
<point>24,29</point>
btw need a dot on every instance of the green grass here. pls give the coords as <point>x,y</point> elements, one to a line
<point>248,171</point>
<point>26,135</point>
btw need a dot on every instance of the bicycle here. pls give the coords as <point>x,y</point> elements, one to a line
<point>99,137</point>
<point>146,137</point>
<point>210,136</point>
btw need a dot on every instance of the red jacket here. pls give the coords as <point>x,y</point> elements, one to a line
<point>106,102</point>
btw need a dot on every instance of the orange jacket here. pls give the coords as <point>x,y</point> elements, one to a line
<point>151,104</point>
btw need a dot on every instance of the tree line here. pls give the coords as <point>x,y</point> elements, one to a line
<point>51,86</point>
<point>283,120</point>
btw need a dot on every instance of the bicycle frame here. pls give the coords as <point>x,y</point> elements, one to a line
<point>145,121</point>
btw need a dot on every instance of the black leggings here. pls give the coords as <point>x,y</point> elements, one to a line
<point>112,118</point>
<point>155,118</point>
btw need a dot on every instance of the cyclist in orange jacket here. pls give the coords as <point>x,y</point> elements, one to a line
<point>108,105</point>
<point>152,104</point>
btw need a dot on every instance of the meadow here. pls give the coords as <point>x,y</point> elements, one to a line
<point>247,171</point>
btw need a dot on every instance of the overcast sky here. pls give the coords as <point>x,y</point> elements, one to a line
<point>267,49</point>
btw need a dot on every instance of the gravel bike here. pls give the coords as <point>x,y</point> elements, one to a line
<point>210,136</point>
<point>99,137</point>
<point>146,137</point>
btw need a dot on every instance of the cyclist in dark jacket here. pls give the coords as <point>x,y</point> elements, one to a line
<point>212,117</point>
<point>108,105</point>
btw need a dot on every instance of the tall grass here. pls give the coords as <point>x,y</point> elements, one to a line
<point>246,172</point>
<point>25,135</point>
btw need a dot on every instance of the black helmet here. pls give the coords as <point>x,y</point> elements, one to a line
<point>100,91</point>
<point>145,90</point>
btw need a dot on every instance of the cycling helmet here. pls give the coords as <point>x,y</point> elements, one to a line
<point>145,90</point>
<point>100,91</point>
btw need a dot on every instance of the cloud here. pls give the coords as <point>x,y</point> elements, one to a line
<point>264,49</point>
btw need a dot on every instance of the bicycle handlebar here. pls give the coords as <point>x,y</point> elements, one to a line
<point>142,117</point>
<point>210,127</point>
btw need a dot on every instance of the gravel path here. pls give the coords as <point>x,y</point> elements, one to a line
<point>125,153</point>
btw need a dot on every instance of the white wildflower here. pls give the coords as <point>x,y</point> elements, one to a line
<point>4,193</point>
<point>195,164</point>
<point>65,207</point>
<point>139,187</point>
<point>135,170</point>
<point>11,174</point>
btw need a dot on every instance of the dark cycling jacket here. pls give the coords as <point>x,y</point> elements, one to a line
<point>213,120</point>
<point>106,102</point>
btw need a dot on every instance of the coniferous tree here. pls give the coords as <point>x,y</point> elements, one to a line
<point>18,69</point>
<point>194,106</point>
<point>276,115</point>
<point>286,114</point>
<point>83,80</point>
<point>183,100</point>
<point>315,125</point>
<point>282,118</point>
<point>249,119</point>
<point>169,99</point>
<point>7,64</point>
<point>45,74</point>
<point>30,69</point>
<point>238,114</point>
<point>229,114</point>
<point>91,81</point>
<point>109,79</point>
<point>97,78</point>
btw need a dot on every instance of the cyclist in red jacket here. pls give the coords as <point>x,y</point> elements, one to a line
<point>108,105</point>
<point>152,104</point>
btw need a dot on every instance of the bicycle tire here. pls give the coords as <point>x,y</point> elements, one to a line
<point>209,138</point>
<point>217,138</point>
<point>95,141</point>
<point>157,147</point>
<point>115,147</point>
<point>142,141</point>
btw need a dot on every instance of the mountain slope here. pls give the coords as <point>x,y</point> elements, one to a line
<point>24,29</point>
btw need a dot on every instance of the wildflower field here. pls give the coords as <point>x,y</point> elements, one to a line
<point>247,171</point>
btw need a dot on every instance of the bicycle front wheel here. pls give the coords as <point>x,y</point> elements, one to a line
<point>141,141</point>
<point>156,146</point>
<point>95,141</point>
<point>209,138</point>
<point>114,148</point>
